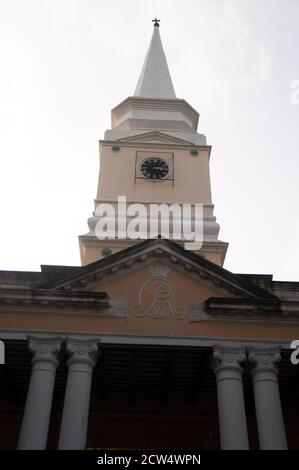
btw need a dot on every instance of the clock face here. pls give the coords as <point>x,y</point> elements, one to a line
<point>154,168</point>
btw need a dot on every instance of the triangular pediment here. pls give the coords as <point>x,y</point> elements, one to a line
<point>155,137</point>
<point>156,254</point>
<point>159,280</point>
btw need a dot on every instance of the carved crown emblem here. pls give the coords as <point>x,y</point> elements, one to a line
<point>159,271</point>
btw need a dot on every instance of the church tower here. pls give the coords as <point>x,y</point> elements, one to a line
<point>153,154</point>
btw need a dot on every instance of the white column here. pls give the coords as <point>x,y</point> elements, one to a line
<point>231,408</point>
<point>269,417</point>
<point>35,424</point>
<point>82,355</point>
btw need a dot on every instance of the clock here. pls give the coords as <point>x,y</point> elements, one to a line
<point>154,168</point>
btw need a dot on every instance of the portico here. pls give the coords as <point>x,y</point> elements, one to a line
<point>197,377</point>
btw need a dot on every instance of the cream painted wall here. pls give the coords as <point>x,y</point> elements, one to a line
<point>91,247</point>
<point>55,319</point>
<point>191,176</point>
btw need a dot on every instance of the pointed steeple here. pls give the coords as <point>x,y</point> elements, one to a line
<point>155,80</point>
<point>153,123</point>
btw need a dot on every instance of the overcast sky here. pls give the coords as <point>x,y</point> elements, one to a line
<point>66,63</point>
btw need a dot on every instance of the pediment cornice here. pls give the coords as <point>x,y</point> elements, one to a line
<point>155,136</point>
<point>171,254</point>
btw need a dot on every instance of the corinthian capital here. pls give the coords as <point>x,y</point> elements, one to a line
<point>45,348</point>
<point>264,360</point>
<point>82,350</point>
<point>228,358</point>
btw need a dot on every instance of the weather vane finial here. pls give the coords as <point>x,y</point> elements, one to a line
<point>156,22</point>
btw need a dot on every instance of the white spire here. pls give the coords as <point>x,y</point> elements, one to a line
<point>155,80</point>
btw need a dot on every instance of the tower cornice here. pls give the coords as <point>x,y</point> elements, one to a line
<point>154,109</point>
<point>156,145</point>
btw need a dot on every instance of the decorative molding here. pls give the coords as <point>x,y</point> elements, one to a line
<point>158,270</point>
<point>161,340</point>
<point>148,203</point>
<point>154,105</point>
<point>82,350</point>
<point>68,302</point>
<point>264,360</point>
<point>227,359</point>
<point>30,297</point>
<point>197,313</point>
<point>45,348</point>
<point>118,308</point>
<point>242,311</point>
<point>157,145</point>
<point>193,265</point>
<point>156,136</point>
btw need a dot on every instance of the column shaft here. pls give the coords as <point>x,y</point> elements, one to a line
<point>74,423</point>
<point>231,408</point>
<point>269,416</point>
<point>36,418</point>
